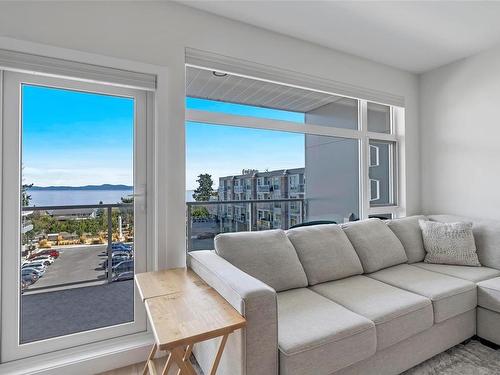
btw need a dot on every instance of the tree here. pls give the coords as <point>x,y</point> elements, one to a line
<point>126,200</point>
<point>200,213</point>
<point>25,197</point>
<point>205,187</point>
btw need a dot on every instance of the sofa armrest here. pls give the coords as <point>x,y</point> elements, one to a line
<point>254,350</point>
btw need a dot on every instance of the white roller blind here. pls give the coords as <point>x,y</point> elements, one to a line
<point>25,62</point>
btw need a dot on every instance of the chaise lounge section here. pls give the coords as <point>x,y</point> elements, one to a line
<point>355,298</point>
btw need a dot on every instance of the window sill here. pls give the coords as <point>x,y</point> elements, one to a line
<point>86,359</point>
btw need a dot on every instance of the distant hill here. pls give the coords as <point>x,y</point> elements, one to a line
<point>86,187</point>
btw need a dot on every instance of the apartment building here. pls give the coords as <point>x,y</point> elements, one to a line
<point>252,185</point>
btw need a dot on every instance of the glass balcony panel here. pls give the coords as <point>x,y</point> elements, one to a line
<point>64,272</point>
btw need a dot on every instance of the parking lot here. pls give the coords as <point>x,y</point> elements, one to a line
<point>75,264</point>
<point>62,312</point>
<point>74,296</point>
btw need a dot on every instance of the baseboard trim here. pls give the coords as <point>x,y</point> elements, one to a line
<point>86,359</point>
<point>487,343</point>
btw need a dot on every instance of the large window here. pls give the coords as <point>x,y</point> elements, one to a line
<point>263,155</point>
<point>76,225</point>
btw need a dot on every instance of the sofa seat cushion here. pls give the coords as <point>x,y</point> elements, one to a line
<point>269,256</point>
<point>488,294</point>
<point>318,336</point>
<point>377,246</point>
<point>409,233</point>
<point>474,274</point>
<point>397,313</point>
<point>450,296</point>
<point>325,253</point>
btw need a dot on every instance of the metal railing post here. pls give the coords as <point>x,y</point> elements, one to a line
<point>250,217</point>
<point>110,242</point>
<point>189,244</point>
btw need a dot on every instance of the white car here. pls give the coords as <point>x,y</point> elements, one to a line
<point>37,264</point>
<point>43,258</point>
<point>123,254</point>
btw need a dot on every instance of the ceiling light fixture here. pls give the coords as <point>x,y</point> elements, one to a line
<point>219,74</point>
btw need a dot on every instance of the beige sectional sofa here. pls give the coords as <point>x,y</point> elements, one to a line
<point>348,299</point>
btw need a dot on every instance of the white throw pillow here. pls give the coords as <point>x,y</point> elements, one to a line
<point>449,243</point>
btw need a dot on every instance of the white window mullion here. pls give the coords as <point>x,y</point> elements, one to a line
<point>364,161</point>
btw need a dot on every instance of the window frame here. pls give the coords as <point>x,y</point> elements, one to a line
<point>12,82</point>
<point>362,135</point>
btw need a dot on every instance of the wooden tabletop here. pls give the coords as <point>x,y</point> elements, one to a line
<point>189,317</point>
<point>160,283</point>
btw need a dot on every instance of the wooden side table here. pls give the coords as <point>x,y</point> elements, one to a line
<point>189,312</point>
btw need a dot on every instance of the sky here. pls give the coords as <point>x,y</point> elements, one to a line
<point>73,138</point>
<point>225,150</point>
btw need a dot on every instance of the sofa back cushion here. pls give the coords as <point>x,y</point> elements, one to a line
<point>325,253</point>
<point>409,233</point>
<point>377,246</point>
<point>269,256</point>
<point>486,236</point>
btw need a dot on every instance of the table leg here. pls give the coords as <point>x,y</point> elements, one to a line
<point>167,365</point>
<point>184,366</point>
<point>219,354</point>
<point>187,354</point>
<point>150,358</point>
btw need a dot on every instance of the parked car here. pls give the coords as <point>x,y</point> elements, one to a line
<point>46,259</point>
<point>121,246</point>
<point>29,277</point>
<point>125,266</point>
<point>53,253</point>
<point>125,254</point>
<point>38,271</point>
<point>37,265</point>
<point>124,276</point>
<point>129,252</point>
<point>115,260</point>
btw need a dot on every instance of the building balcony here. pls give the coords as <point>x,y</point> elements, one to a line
<point>63,301</point>
<point>297,188</point>
<point>263,188</point>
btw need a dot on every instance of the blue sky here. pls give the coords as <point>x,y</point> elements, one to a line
<point>226,150</point>
<point>75,138</point>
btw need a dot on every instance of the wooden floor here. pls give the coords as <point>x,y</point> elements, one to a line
<point>137,368</point>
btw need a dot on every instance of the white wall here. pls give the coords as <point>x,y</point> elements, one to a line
<point>460,133</point>
<point>158,33</point>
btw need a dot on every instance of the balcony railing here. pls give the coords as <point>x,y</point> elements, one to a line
<point>297,188</point>
<point>239,189</point>
<point>207,219</point>
<point>85,236</point>
<point>263,188</point>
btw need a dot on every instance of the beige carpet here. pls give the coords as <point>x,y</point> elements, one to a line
<point>470,359</point>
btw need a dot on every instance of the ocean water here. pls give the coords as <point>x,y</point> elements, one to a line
<point>76,197</point>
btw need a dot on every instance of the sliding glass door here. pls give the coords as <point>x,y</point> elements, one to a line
<point>74,219</point>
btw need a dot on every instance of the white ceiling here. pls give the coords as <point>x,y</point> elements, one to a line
<point>410,35</point>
